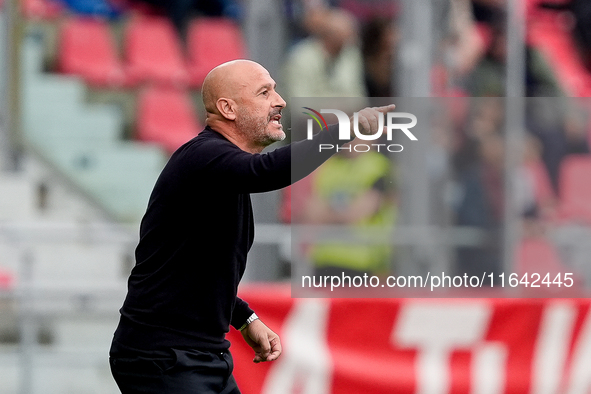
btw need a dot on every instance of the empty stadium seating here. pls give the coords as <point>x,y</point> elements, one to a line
<point>54,110</point>
<point>166,116</point>
<point>153,52</point>
<point>575,189</point>
<point>21,208</point>
<point>84,142</point>
<point>120,177</point>
<point>98,63</point>
<point>212,41</point>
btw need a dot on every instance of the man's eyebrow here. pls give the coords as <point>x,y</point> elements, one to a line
<point>267,86</point>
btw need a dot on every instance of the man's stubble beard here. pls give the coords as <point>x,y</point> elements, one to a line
<point>256,129</point>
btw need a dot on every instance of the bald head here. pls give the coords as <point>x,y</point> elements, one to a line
<point>228,80</point>
<point>243,105</point>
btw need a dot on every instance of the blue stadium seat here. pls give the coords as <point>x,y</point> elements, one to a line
<point>102,8</point>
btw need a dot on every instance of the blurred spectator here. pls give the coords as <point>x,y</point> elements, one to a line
<point>486,10</point>
<point>328,63</point>
<point>560,133</point>
<point>535,197</point>
<point>576,131</point>
<point>581,13</point>
<point>367,10</point>
<point>467,42</point>
<point>481,205</point>
<point>489,76</point>
<point>363,10</point>
<point>379,39</point>
<point>351,189</point>
<point>302,16</point>
<point>487,117</point>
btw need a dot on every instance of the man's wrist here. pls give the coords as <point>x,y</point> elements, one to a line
<point>251,318</point>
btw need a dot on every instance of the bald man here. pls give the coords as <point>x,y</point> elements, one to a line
<point>195,235</point>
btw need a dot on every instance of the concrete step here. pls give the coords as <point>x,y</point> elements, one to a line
<point>51,372</point>
<point>17,198</point>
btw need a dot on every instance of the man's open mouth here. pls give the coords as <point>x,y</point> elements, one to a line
<point>276,119</point>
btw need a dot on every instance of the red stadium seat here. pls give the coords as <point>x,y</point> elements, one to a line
<point>575,188</point>
<point>153,52</point>
<point>98,63</point>
<point>212,41</point>
<point>41,9</point>
<point>166,116</point>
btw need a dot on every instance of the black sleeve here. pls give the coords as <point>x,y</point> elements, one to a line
<point>241,312</point>
<point>244,172</point>
<point>306,155</point>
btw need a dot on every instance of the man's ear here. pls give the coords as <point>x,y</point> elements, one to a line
<point>227,108</point>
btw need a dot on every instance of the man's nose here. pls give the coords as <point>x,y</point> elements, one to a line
<point>279,102</point>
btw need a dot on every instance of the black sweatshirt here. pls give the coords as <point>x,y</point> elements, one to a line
<point>194,238</point>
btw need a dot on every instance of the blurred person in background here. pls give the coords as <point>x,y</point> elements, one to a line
<point>298,12</point>
<point>580,15</point>
<point>535,197</point>
<point>353,189</point>
<point>486,117</point>
<point>576,131</point>
<point>196,234</point>
<point>560,132</point>
<point>465,44</point>
<point>480,181</point>
<point>329,62</point>
<point>581,10</point>
<point>379,40</point>
<point>488,78</point>
<point>486,10</point>
<point>326,63</point>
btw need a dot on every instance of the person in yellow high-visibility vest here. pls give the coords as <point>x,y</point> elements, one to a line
<point>352,189</point>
